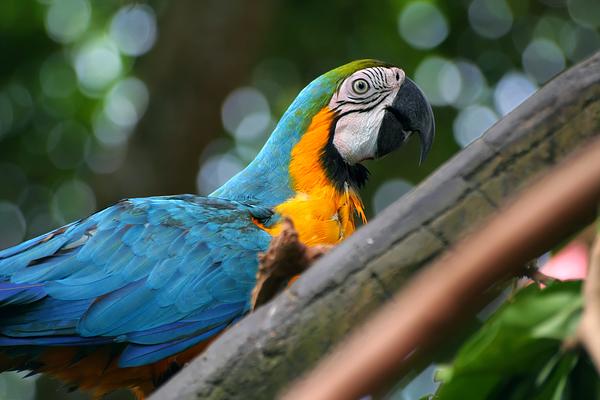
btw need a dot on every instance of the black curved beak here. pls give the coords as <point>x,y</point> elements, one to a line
<point>409,113</point>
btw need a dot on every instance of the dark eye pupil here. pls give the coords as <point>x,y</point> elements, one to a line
<point>360,86</point>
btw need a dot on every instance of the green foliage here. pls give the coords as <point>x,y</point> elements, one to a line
<point>520,352</point>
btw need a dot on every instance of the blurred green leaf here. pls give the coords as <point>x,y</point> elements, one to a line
<point>554,379</point>
<point>517,353</point>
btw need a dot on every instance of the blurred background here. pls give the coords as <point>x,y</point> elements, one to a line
<point>103,100</point>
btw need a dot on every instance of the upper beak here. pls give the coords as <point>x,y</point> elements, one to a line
<point>409,113</point>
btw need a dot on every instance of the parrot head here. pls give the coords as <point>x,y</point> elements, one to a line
<point>377,108</point>
<point>359,111</point>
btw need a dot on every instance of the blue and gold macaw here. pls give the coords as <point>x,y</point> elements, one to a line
<point>125,297</point>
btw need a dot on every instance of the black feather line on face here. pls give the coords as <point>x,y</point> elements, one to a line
<point>339,171</point>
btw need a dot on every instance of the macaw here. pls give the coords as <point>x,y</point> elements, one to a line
<point>125,297</point>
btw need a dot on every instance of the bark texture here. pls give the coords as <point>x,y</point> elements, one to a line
<point>281,340</point>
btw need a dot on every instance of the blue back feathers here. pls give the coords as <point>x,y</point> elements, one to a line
<point>160,274</point>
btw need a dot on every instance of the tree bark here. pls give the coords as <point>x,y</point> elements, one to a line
<point>273,346</point>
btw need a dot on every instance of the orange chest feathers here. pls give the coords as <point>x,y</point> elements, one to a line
<point>321,214</point>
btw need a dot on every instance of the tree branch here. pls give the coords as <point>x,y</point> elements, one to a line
<point>265,351</point>
<point>430,306</point>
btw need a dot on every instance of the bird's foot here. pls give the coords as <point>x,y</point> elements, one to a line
<point>282,263</point>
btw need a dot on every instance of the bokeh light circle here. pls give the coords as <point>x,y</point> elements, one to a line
<point>473,82</point>
<point>579,42</point>
<point>105,158</point>
<point>246,114</point>
<point>472,122</point>
<point>543,59</point>
<point>97,64</point>
<point>12,226</point>
<point>388,192</point>
<point>512,89</point>
<point>67,20</point>
<point>217,170</point>
<point>585,12</point>
<point>440,79</point>
<point>423,25</point>
<point>126,102</point>
<point>133,28</point>
<point>490,18</point>
<point>57,77</point>
<point>107,131</point>
<point>73,199</point>
<point>35,203</point>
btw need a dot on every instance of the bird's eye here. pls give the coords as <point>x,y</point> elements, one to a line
<point>360,86</point>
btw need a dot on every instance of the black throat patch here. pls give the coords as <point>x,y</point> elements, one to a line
<point>339,171</point>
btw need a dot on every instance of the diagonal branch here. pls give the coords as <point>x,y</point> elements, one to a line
<point>268,349</point>
<point>417,316</point>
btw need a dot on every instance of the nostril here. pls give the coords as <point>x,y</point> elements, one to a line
<point>397,76</point>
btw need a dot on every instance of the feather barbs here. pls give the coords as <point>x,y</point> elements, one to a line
<point>322,214</point>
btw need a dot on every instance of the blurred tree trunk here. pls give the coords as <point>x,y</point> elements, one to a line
<point>204,50</point>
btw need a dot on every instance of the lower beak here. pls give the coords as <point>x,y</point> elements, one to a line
<point>409,113</point>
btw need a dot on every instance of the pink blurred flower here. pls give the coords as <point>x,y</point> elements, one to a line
<point>571,263</point>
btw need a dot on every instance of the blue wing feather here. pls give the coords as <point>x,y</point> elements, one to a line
<point>135,355</point>
<point>14,293</point>
<point>161,273</point>
<point>43,318</point>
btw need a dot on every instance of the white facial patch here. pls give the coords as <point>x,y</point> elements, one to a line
<point>361,101</point>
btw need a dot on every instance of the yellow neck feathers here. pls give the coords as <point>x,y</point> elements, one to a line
<point>321,214</point>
